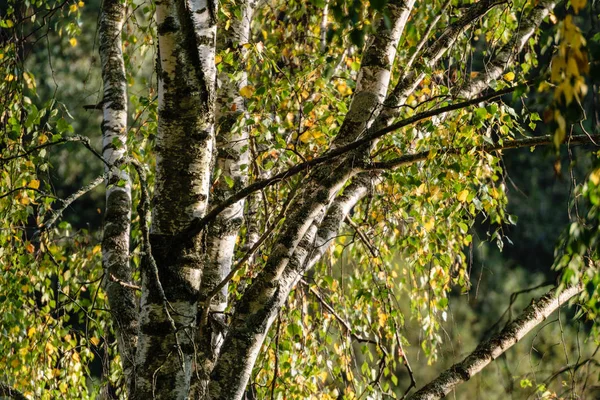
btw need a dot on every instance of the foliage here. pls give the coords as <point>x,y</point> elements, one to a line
<point>343,331</point>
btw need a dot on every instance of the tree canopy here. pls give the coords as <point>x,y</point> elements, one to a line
<point>284,199</point>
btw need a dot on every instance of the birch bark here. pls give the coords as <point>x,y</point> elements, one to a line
<point>265,296</point>
<point>117,217</point>
<point>232,166</point>
<point>495,346</point>
<point>184,151</point>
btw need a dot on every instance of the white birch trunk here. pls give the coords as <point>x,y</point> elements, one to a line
<point>233,166</point>
<point>117,217</point>
<point>184,151</point>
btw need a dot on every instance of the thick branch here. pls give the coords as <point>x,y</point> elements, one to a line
<point>495,346</point>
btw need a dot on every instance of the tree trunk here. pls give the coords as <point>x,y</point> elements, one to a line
<point>184,151</point>
<point>117,217</point>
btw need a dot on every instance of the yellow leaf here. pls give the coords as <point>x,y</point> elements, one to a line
<point>509,76</point>
<point>31,332</point>
<point>218,59</point>
<point>595,177</point>
<point>81,4</point>
<point>73,8</point>
<point>95,341</point>
<point>30,248</point>
<point>463,195</point>
<point>50,348</point>
<point>429,225</point>
<point>577,5</point>
<point>73,42</point>
<point>34,184</point>
<point>63,387</point>
<point>247,91</point>
<point>9,23</point>
<point>15,363</point>
<point>9,77</point>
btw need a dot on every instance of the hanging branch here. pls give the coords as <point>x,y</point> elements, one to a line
<point>496,345</point>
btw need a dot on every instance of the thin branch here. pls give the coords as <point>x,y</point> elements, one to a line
<point>496,345</point>
<point>70,139</point>
<point>124,284</point>
<point>69,200</point>
<point>425,37</point>
<point>513,298</point>
<point>29,188</point>
<point>199,224</point>
<point>508,144</point>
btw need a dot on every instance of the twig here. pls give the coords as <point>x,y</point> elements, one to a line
<point>69,200</point>
<point>199,224</point>
<point>70,139</point>
<point>513,298</point>
<point>124,284</point>
<point>29,188</point>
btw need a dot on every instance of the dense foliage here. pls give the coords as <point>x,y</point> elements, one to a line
<point>381,294</point>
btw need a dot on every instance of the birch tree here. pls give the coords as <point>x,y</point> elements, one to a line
<point>275,143</point>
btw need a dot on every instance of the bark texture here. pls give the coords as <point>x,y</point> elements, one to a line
<point>117,217</point>
<point>232,166</point>
<point>495,346</point>
<point>184,151</point>
<point>265,296</point>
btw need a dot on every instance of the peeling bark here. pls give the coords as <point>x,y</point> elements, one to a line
<point>117,217</point>
<point>184,151</point>
<point>495,346</point>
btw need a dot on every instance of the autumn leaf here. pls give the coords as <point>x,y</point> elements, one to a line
<point>73,42</point>
<point>34,184</point>
<point>247,91</point>
<point>509,76</point>
<point>463,195</point>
